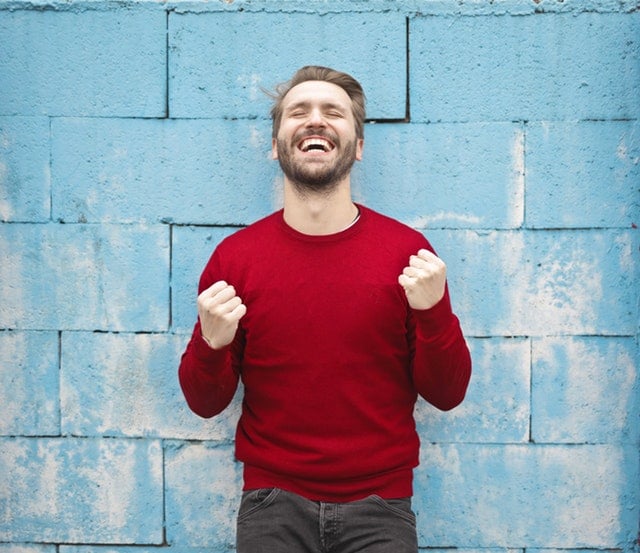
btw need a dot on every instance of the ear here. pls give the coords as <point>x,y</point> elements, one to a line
<point>274,148</point>
<point>359,149</point>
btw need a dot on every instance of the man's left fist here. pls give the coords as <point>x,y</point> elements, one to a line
<point>424,280</point>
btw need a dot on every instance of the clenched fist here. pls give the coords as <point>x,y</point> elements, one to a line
<point>220,311</point>
<point>424,280</point>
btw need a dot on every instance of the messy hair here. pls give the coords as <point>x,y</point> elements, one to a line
<point>317,73</point>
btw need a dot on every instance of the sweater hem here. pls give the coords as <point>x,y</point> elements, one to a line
<point>389,485</point>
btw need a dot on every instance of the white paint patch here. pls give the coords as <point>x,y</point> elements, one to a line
<point>49,479</point>
<point>120,379</point>
<point>13,389</point>
<point>558,291</point>
<point>582,485</point>
<point>253,84</point>
<point>5,211</point>
<point>626,260</point>
<point>448,217</point>
<point>516,201</point>
<point>567,289</point>
<point>622,152</point>
<point>113,477</point>
<point>5,206</point>
<point>277,192</point>
<point>258,140</point>
<point>591,403</point>
<point>13,303</point>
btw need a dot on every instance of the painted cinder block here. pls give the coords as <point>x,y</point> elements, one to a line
<point>203,488</point>
<point>66,277</point>
<point>448,175</point>
<point>186,171</point>
<point>501,371</point>
<point>80,490</point>
<point>537,67</point>
<point>25,187</point>
<point>88,62</point>
<point>127,385</point>
<point>220,63</point>
<point>543,283</point>
<point>26,548</point>
<point>144,549</point>
<point>191,248</point>
<point>583,174</point>
<point>528,496</point>
<point>585,389</point>
<point>29,383</point>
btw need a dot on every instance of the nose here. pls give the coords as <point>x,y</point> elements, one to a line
<point>316,119</point>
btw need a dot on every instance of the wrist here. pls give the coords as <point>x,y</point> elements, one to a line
<point>208,342</point>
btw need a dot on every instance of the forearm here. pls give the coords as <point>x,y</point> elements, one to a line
<point>207,377</point>
<point>442,363</point>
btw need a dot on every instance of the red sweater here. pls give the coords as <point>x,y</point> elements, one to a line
<point>331,357</point>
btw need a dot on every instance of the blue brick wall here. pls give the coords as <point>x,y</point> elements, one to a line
<point>134,136</point>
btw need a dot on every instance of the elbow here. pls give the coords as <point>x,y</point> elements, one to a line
<point>448,403</point>
<point>200,409</point>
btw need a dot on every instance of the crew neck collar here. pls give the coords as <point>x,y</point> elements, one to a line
<point>353,228</point>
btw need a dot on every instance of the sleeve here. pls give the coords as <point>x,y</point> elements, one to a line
<point>209,378</point>
<point>441,360</point>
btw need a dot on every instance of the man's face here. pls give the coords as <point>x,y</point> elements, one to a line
<point>316,143</point>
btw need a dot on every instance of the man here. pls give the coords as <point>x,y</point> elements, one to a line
<point>335,318</point>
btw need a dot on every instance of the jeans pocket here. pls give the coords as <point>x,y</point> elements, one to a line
<point>254,501</point>
<point>400,507</point>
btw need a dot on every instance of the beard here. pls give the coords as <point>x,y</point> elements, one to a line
<point>316,175</point>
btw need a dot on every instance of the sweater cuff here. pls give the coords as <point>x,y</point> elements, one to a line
<point>206,353</point>
<point>436,321</point>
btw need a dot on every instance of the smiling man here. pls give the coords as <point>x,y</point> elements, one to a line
<point>336,318</point>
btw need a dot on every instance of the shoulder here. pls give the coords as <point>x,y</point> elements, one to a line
<point>257,231</point>
<point>229,257</point>
<point>388,229</point>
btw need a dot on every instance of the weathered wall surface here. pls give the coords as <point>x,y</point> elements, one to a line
<point>134,136</point>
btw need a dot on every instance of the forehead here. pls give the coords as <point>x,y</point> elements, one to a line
<point>316,92</point>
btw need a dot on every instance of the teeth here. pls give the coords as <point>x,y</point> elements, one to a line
<point>315,144</point>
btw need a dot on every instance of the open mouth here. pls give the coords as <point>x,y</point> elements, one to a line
<point>315,144</point>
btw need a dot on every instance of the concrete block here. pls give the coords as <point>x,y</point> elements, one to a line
<point>29,383</point>
<point>191,248</point>
<point>27,548</point>
<point>142,549</point>
<point>583,174</point>
<point>455,176</point>
<point>109,62</point>
<point>496,408</point>
<point>76,490</point>
<point>203,489</point>
<point>522,496</point>
<point>542,283</point>
<point>187,171</point>
<point>65,277</point>
<point>537,67</point>
<point>585,389</point>
<point>127,385</point>
<point>216,71</point>
<point>25,184</point>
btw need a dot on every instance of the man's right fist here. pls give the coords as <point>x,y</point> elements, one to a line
<point>220,311</point>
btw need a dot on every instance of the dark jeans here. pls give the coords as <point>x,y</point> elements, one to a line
<point>277,521</point>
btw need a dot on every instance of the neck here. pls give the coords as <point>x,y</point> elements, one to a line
<point>321,213</point>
